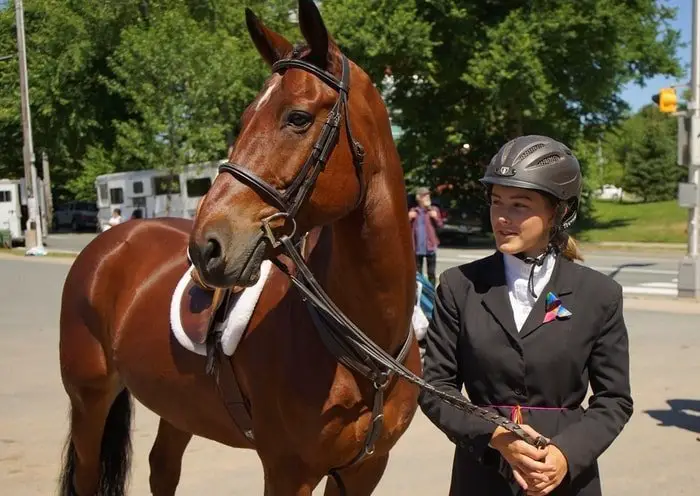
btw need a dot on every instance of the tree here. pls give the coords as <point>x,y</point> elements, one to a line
<point>647,149</point>
<point>67,44</point>
<point>125,84</point>
<point>502,69</point>
<point>185,86</point>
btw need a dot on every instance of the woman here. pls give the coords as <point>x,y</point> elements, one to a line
<point>525,330</point>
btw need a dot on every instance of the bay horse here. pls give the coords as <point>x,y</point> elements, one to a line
<point>317,157</point>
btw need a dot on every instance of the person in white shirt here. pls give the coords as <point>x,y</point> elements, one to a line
<point>116,217</point>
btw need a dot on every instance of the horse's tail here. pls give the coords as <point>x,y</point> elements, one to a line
<point>115,452</point>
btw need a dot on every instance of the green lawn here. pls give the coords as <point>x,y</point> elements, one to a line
<point>636,222</point>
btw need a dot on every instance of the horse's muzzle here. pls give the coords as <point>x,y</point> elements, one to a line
<point>222,263</point>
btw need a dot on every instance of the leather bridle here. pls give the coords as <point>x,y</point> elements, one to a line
<point>292,198</point>
<point>352,347</point>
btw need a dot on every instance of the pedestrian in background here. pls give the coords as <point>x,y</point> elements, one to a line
<point>425,219</point>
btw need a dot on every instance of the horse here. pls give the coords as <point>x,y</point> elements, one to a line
<point>313,185</point>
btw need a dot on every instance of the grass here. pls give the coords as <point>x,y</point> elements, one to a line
<point>660,222</point>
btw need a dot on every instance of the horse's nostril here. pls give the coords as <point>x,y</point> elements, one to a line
<point>212,251</point>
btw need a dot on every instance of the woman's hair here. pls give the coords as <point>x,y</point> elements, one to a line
<point>563,241</point>
<point>567,246</point>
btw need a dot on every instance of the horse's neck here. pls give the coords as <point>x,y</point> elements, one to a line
<point>369,272</point>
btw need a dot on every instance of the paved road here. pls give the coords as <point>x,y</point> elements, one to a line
<point>68,241</point>
<point>638,272</point>
<point>656,454</point>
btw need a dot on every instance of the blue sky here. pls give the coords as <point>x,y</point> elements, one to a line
<point>637,96</point>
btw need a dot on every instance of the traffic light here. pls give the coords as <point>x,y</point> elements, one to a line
<point>666,100</point>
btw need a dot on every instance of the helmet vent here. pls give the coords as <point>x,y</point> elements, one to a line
<point>529,151</point>
<point>552,159</point>
<point>506,150</point>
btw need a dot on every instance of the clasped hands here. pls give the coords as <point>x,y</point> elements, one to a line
<point>537,470</point>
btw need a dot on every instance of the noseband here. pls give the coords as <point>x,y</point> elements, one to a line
<point>290,200</point>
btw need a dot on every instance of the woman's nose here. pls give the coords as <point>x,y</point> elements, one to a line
<point>502,219</point>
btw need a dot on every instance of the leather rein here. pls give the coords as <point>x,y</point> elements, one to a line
<point>350,346</point>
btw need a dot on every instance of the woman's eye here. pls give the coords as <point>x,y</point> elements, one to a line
<point>298,118</point>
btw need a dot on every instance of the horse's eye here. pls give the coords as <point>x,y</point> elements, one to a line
<point>300,119</point>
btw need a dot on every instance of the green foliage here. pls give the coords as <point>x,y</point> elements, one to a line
<point>182,89</point>
<point>124,85</point>
<point>647,149</point>
<point>96,162</point>
<point>381,36</point>
<point>67,43</point>
<point>502,69</point>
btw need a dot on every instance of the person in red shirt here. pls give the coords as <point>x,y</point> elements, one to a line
<point>425,219</point>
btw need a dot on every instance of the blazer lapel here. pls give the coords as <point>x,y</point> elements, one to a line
<point>560,284</point>
<point>496,297</point>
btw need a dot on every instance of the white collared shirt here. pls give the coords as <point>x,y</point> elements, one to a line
<point>517,275</point>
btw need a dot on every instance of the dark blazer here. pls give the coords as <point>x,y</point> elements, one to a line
<point>473,341</point>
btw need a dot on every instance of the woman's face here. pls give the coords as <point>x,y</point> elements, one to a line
<point>521,220</point>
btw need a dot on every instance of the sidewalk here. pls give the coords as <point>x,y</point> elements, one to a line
<point>662,304</point>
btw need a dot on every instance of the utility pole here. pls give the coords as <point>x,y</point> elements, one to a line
<point>34,231</point>
<point>689,154</point>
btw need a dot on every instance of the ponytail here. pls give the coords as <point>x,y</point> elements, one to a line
<point>567,246</point>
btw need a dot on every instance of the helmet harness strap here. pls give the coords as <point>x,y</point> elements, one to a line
<point>552,247</point>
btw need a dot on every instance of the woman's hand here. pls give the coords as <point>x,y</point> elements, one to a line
<point>527,461</point>
<point>559,468</point>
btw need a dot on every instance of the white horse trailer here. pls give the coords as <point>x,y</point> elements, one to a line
<point>14,211</point>
<point>154,192</point>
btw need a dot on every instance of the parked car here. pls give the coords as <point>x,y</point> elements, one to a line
<point>79,215</point>
<point>609,192</point>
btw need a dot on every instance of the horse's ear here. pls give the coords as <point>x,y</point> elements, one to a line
<point>272,46</point>
<point>315,32</point>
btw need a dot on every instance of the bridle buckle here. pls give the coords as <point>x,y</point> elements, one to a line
<point>268,230</point>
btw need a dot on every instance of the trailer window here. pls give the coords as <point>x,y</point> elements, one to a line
<point>104,195</point>
<point>116,196</point>
<point>5,196</point>
<point>166,184</point>
<point>138,187</point>
<point>198,187</point>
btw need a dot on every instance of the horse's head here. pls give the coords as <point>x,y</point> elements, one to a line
<point>297,162</point>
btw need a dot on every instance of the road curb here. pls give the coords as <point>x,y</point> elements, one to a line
<point>664,304</point>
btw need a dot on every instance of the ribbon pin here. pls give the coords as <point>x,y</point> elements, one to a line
<point>554,309</point>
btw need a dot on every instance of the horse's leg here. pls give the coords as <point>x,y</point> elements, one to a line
<point>288,478</point>
<point>99,446</point>
<point>166,458</point>
<point>360,479</point>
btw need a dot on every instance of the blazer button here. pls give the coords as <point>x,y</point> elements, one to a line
<point>519,391</point>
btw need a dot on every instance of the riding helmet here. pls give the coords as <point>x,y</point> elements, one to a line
<point>539,163</point>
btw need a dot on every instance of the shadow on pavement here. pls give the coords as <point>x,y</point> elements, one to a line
<point>682,413</point>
